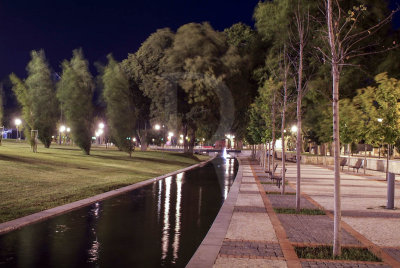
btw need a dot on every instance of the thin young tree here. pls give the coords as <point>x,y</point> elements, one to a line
<point>75,93</point>
<point>301,23</point>
<point>345,41</point>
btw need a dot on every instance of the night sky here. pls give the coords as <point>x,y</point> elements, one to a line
<point>100,27</point>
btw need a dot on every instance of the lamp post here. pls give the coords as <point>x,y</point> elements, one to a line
<point>380,120</point>
<point>17,123</point>
<point>61,130</point>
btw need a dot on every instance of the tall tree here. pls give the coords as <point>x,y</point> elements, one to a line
<point>37,97</point>
<point>121,111</point>
<point>143,68</point>
<point>75,93</point>
<point>344,40</point>
<point>42,93</point>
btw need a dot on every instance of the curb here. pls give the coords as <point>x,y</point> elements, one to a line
<point>12,225</point>
<point>208,251</point>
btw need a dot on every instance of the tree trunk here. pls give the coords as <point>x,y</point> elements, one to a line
<point>286,71</point>
<point>365,157</point>
<point>348,156</point>
<point>268,157</point>
<point>336,137</point>
<point>192,142</point>
<point>273,131</point>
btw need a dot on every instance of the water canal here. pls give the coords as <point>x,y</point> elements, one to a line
<point>158,225</point>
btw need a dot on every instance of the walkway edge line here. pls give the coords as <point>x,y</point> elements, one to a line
<point>207,252</point>
<point>12,225</point>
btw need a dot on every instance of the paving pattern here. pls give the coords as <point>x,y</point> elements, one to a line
<point>252,236</point>
<point>289,201</point>
<point>312,229</point>
<point>251,248</point>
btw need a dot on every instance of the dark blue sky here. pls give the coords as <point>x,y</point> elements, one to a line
<point>101,27</point>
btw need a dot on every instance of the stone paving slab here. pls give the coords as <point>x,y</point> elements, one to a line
<point>251,226</point>
<point>246,262</point>
<point>250,200</point>
<point>381,231</point>
<point>324,264</point>
<point>251,248</point>
<point>312,229</point>
<point>248,179</point>
<point>394,252</point>
<point>289,201</point>
<point>249,187</point>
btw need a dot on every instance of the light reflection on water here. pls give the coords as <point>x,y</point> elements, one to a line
<point>159,225</point>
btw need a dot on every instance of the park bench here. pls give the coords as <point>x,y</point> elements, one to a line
<point>357,165</point>
<point>278,179</point>
<point>271,172</point>
<point>343,162</point>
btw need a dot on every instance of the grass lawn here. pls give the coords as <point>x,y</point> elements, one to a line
<point>32,182</point>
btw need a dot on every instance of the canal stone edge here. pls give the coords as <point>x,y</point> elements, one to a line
<point>207,252</point>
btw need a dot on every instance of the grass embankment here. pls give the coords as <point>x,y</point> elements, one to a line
<point>62,174</point>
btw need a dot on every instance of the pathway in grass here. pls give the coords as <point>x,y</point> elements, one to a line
<point>62,174</point>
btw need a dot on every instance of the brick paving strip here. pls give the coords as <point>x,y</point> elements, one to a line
<point>287,249</point>
<point>251,248</point>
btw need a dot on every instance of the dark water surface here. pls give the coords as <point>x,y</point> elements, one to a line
<point>158,225</point>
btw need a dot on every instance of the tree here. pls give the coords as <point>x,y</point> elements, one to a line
<point>75,93</point>
<point>344,42</point>
<point>387,96</point>
<point>121,110</point>
<point>143,68</point>
<point>42,93</point>
<point>37,97</point>
<point>350,124</point>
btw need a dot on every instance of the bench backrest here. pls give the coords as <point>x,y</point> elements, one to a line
<point>343,162</point>
<point>358,163</point>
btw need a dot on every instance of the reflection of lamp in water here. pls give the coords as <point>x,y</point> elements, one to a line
<point>166,227</point>
<point>177,230</point>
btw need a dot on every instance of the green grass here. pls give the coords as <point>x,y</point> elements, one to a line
<point>62,174</point>
<point>325,252</point>
<point>286,193</point>
<point>303,211</point>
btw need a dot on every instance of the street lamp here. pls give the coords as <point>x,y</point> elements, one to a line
<point>17,123</point>
<point>101,125</point>
<point>157,127</point>
<point>62,129</point>
<point>294,129</point>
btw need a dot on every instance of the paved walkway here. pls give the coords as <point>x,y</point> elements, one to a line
<point>257,236</point>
